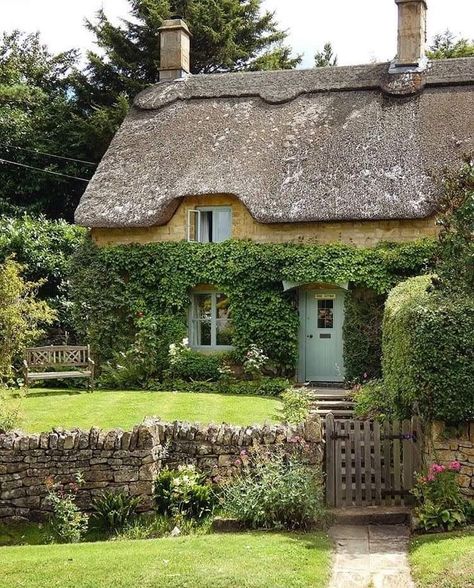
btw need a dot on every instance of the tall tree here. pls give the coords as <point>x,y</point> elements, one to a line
<point>326,57</point>
<point>227,35</point>
<point>38,114</point>
<point>446,46</point>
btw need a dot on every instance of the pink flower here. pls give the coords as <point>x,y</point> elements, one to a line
<point>437,469</point>
<point>455,466</point>
<point>243,453</point>
<point>238,462</point>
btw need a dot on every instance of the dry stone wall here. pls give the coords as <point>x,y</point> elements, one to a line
<point>129,460</point>
<point>444,444</point>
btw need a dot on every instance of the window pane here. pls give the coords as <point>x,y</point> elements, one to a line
<point>325,314</point>
<point>224,332</point>
<point>203,306</point>
<point>203,332</point>
<point>222,225</point>
<point>205,226</point>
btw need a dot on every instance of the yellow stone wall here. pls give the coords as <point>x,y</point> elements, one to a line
<point>244,226</point>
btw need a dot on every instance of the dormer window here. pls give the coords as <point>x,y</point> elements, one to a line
<point>210,224</point>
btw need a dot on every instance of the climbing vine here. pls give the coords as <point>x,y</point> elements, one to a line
<point>121,291</point>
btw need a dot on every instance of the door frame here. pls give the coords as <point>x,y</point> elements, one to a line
<point>302,293</point>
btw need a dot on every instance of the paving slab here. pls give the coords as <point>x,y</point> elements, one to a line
<point>372,556</point>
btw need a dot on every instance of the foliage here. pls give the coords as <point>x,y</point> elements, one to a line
<point>326,57</point>
<point>446,46</point>
<point>372,401</point>
<point>261,387</point>
<point>44,247</point>
<point>254,361</point>
<point>10,413</point>
<point>189,365</point>
<point>296,405</point>
<point>440,502</point>
<point>455,252</point>
<point>39,113</point>
<point>68,523</point>
<point>113,511</point>
<point>428,361</point>
<point>21,315</point>
<point>183,492</point>
<point>163,526</point>
<point>275,491</point>
<point>120,292</point>
<point>362,334</point>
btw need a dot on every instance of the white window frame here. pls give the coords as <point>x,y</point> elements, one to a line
<point>196,212</point>
<point>192,333</point>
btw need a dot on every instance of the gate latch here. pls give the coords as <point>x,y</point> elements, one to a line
<point>335,435</point>
<point>403,437</point>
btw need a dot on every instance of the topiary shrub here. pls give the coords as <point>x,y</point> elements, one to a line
<point>428,351</point>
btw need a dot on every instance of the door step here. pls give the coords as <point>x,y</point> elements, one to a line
<point>345,414</point>
<point>337,401</point>
<point>371,515</point>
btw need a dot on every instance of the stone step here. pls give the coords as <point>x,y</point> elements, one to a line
<point>371,515</point>
<point>337,413</point>
<point>335,403</point>
<point>317,396</point>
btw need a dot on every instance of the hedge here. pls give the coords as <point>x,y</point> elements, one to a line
<point>428,351</point>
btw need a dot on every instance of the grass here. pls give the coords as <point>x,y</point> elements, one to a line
<point>444,560</point>
<point>43,409</point>
<point>246,560</point>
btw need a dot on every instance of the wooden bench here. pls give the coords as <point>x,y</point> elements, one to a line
<point>39,363</point>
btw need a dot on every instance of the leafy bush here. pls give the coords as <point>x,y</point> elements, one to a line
<point>10,414</point>
<point>296,405</point>
<point>113,511</point>
<point>68,523</point>
<point>372,401</point>
<point>189,365</point>
<point>275,490</point>
<point>183,492</point>
<point>162,526</point>
<point>440,502</point>
<point>21,315</point>
<point>262,387</point>
<point>428,351</point>
<point>254,361</point>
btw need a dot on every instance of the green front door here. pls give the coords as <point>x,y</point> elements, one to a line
<point>322,335</point>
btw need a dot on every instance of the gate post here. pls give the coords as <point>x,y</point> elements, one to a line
<point>330,443</point>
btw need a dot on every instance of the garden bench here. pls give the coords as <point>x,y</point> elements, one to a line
<point>39,363</point>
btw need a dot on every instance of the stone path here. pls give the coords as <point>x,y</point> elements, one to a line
<point>372,556</point>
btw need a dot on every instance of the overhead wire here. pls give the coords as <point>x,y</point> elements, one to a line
<point>6,146</point>
<point>45,171</point>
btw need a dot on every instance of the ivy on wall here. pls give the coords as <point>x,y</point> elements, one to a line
<point>124,290</point>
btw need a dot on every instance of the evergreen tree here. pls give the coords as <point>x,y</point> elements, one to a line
<point>38,113</point>
<point>227,35</point>
<point>446,46</point>
<point>326,57</point>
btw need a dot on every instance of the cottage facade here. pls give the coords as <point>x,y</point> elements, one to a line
<point>343,154</point>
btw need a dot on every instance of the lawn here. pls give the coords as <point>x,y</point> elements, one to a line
<point>444,560</point>
<point>43,409</point>
<point>244,560</point>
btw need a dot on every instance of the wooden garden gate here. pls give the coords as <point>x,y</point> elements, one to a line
<point>370,463</point>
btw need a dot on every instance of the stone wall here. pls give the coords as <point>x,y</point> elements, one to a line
<point>244,226</point>
<point>129,460</point>
<point>444,444</point>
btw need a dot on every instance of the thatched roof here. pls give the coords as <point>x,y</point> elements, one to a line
<point>301,145</point>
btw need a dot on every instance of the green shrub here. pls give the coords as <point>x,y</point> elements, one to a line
<point>263,387</point>
<point>428,351</point>
<point>68,523</point>
<point>372,401</point>
<point>113,511</point>
<point>10,413</point>
<point>274,491</point>
<point>440,502</point>
<point>190,365</point>
<point>183,492</point>
<point>21,316</point>
<point>296,405</point>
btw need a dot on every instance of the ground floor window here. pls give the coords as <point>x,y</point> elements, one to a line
<point>211,321</point>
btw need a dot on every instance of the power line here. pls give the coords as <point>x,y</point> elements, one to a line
<point>48,154</point>
<point>45,171</point>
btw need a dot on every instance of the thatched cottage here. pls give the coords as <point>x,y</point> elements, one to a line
<point>341,154</point>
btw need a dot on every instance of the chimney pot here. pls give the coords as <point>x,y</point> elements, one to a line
<point>411,32</point>
<point>175,42</point>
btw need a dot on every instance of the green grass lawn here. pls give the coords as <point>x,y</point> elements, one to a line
<point>44,409</point>
<point>242,560</point>
<point>444,560</point>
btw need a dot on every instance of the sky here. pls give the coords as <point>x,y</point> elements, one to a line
<point>360,30</point>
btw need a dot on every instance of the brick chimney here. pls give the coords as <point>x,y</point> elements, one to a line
<point>411,33</point>
<point>174,49</point>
